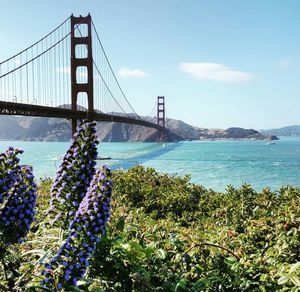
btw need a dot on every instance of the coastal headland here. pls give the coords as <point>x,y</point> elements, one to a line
<point>46,129</point>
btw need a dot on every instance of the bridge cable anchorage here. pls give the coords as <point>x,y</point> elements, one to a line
<point>105,83</point>
<point>113,70</point>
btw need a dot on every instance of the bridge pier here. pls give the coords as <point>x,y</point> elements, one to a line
<point>74,126</point>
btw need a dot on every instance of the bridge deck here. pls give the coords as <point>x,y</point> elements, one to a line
<point>21,109</point>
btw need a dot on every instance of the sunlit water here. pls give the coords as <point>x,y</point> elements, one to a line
<point>214,164</point>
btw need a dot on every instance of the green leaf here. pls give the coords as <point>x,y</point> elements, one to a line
<point>126,246</point>
<point>181,285</point>
<point>81,282</point>
<point>263,277</point>
<point>283,280</point>
<point>296,280</point>
<point>149,251</point>
<point>230,260</point>
<point>39,252</point>
<point>294,267</point>
<point>120,224</point>
<point>37,288</point>
<point>262,288</point>
<point>161,253</point>
<point>41,259</point>
<point>74,289</point>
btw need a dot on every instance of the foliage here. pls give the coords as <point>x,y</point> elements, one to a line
<point>167,234</point>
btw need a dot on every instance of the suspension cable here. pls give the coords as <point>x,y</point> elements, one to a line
<point>35,42</point>
<point>113,71</point>
<point>107,87</point>
<point>41,54</point>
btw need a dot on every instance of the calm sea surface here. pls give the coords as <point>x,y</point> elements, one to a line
<point>214,164</point>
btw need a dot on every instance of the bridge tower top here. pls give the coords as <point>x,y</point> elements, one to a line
<point>76,62</point>
<point>161,111</point>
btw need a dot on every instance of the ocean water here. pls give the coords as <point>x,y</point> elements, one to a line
<point>214,164</point>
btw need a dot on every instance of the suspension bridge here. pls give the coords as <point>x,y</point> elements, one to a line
<point>66,75</point>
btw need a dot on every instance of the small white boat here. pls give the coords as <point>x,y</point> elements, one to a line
<point>271,143</point>
<point>103,158</point>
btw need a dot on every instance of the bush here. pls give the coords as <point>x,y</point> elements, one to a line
<point>167,234</point>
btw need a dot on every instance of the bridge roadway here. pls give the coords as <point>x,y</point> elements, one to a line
<point>21,109</point>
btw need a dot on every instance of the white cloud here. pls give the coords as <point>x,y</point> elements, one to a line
<point>284,63</point>
<point>215,71</point>
<point>125,72</point>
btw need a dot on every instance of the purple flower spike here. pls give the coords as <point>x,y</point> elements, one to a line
<point>19,210</point>
<point>9,169</point>
<point>75,174</point>
<point>71,261</point>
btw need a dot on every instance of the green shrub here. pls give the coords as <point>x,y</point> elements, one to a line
<point>168,234</point>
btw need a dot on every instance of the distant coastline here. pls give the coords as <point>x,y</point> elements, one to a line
<point>289,131</point>
<point>47,130</point>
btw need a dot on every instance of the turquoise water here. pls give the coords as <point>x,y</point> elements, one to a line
<point>214,164</point>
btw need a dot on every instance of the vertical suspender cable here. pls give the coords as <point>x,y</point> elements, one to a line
<point>27,80</point>
<point>21,83</point>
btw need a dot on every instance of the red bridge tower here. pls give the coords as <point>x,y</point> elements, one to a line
<point>161,112</point>
<point>81,62</point>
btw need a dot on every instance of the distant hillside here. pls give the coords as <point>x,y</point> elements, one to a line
<point>188,132</point>
<point>34,129</point>
<point>49,129</point>
<point>291,131</point>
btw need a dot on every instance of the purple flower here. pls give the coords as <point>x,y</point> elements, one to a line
<point>71,261</point>
<point>18,211</point>
<point>9,169</point>
<point>73,178</point>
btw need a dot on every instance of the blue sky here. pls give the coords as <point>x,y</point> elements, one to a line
<point>219,63</point>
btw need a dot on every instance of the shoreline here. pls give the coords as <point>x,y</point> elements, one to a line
<point>186,140</point>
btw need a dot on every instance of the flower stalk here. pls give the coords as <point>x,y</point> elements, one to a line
<point>87,227</point>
